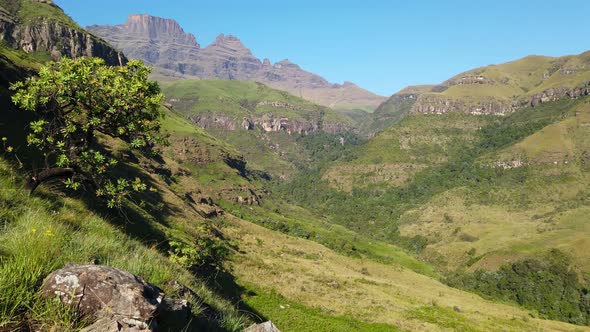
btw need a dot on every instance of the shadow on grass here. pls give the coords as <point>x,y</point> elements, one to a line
<point>224,285</point>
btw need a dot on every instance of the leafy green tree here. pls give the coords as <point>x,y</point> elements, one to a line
<point>77,102</point>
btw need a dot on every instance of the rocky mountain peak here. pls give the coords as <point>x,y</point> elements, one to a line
<point>157,28</point>
<point>222,38</point>
<point>163,44</point>
<point>230,43</point>
<point>286,63</point>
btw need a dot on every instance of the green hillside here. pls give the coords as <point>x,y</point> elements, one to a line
<point>269,207</point>
<point>492,89</point>
<point>221,107</point>
<point>74,228</point>
<point>239,99</point>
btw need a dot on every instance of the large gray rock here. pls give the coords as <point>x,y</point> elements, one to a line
<point>106,292</point>
<point>263,327</point>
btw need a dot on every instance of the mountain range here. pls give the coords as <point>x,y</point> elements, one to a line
<point>463,206</point>
<point>162,43</point>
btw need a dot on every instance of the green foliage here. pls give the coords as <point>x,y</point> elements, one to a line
<point>548,285</point>
<point>78,100</point>
<point>207,249</point>
<point>374,210</point>
<point>41,234</point>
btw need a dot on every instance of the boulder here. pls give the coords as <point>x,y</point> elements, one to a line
<point>263,327</point>
<point>174,314</point>
<point>106,293</point>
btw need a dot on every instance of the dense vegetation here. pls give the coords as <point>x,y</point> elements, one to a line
<point>548,285</point>
<point>76,101</point>
<point>375,210</point>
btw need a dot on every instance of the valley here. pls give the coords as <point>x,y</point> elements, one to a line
<point>277,195</point>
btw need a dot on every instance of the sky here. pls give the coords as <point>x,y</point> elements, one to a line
<point>380,45</point>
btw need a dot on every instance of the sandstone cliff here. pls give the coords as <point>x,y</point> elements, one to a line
<point>57,35</point>
<point>163,44</point>
<point>268,123</point>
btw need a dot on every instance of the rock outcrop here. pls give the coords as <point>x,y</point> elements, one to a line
<point>554,94</point>
<point>157,41</point>
<point>163,44</point>
<point>268,123</point>
<point>441,104</point>
<point>263,327</point>
<point>54,37</point>
<point>119,300</point>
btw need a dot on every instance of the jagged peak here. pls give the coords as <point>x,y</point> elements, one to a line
<point>285,63</point>
<point>229,40</point>
<point>159,28</point>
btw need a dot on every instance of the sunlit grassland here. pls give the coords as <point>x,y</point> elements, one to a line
<point>301,271</point>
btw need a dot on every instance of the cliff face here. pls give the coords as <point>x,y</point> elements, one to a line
<point>157,41</point>
<point>163,44</point>
<point>269,123</point>
<point>54,37</point>
<point>554,94</point>
<point>440,104</point>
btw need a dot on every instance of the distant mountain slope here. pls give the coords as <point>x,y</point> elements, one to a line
<point>163,44</point>
<point>495,89</point>
<point>498,152</point>
<point>263,123</point>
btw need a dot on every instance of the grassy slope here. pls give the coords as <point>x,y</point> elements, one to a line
<point>484,218</point>
<point>275,153</point>
<point>287,269</point>
<point>395,155</point>
<point>526,76</point>
<point>44,232</point>
<point>547,208</point>
<point>58,224</point>
<point>518,80</point>
<point>227,97</point>
<point>31,12</point>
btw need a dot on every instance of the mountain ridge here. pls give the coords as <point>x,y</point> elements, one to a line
<point>498,89</point>
<point>181,56</point>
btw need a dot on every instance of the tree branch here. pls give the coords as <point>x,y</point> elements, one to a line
<point>48,174</point>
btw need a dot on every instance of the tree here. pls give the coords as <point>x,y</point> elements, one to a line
<point>79,100</point>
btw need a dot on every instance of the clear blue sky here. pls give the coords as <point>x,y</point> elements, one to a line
<point>383,45</point>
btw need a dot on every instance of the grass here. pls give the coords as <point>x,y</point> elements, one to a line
<point>296,221</point>
<point>442,317</point>
<point>395,155</point>
<point>308,279</point>
<point>237,98</point>
<point>292,316</point>
<point>43,233</point>
<point>32,12</point>
<point>277,154</point>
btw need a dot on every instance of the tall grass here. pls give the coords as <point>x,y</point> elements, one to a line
<point>39,235</point>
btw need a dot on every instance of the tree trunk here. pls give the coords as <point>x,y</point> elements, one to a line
<point>49,174</point>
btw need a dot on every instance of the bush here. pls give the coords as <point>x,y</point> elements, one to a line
<point>547,285</point>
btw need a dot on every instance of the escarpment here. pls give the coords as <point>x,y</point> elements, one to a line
<point>58,36</point>
<point>440,104</point>
<point>268,123</point>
